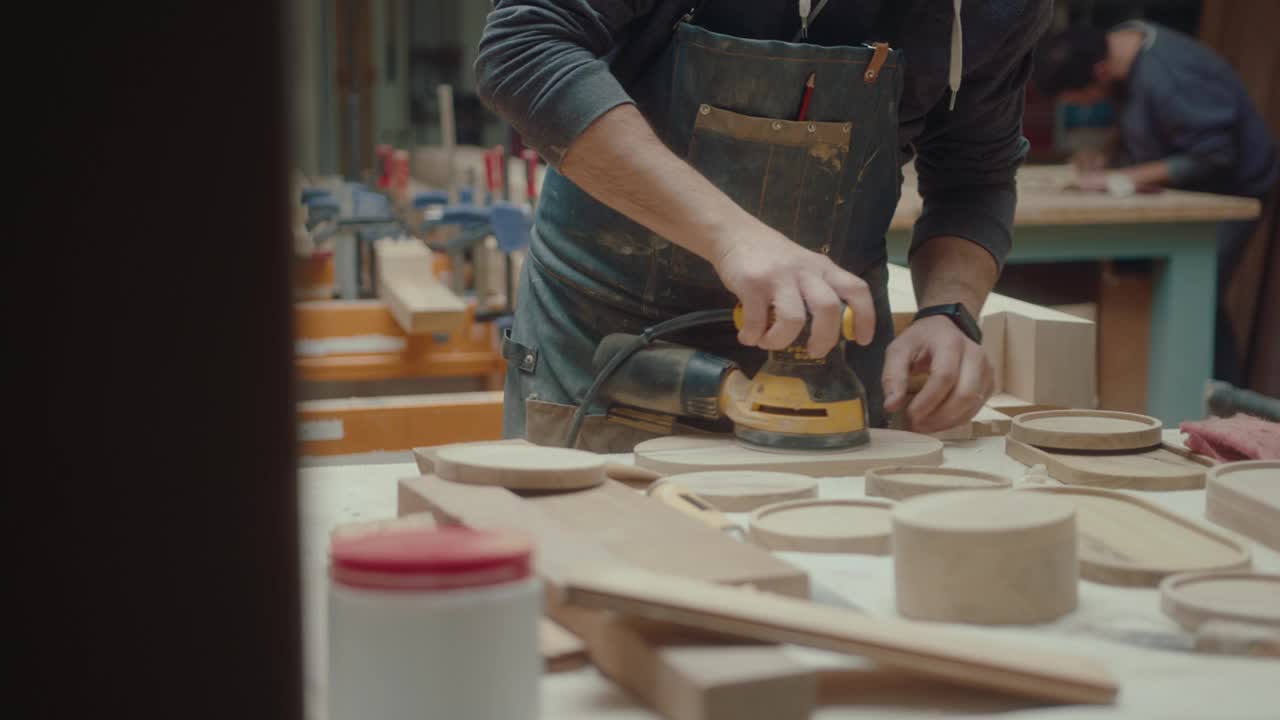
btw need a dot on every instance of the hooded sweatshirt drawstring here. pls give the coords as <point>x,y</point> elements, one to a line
<point>957,54</point>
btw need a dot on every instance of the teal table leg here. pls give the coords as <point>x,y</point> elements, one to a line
<point>1183,309</point>
<point>1183,313</point>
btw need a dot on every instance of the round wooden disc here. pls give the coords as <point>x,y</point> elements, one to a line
<point>1086,430</point>
<point>1194,598</point>
<point>1245,497</point>
<point>520,467</point>
<point>831,526</point>
<point>695,453</point>
<point>746,490</point>
<point>904,481</point>
<point>985,557</point>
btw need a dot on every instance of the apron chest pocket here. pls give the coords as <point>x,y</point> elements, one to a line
<point>787,173</point>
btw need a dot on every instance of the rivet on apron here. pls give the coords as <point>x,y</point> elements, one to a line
<point>704,109</point>
<point>826,248</point>
<point>528,359</point>
<point>848,127</point>
<point>777,125</point>
<point>812,127</point>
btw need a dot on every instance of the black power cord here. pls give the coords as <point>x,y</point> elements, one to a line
<point>648,335</point>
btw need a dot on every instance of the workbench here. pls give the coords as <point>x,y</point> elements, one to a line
<point>1178,229</point>
<point>1156,684</point>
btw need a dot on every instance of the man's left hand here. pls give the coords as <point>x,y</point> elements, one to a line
<point>960,380</point>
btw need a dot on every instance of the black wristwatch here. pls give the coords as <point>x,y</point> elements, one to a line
<point>958,314</point>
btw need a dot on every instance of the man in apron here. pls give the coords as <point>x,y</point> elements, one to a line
<point>686,177</point>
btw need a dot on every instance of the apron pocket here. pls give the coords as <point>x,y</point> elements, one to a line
<point>787,173</point>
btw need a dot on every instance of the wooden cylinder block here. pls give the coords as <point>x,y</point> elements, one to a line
<point>986,557</point>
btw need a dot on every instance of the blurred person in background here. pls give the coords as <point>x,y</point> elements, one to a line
<point>1184,120</point>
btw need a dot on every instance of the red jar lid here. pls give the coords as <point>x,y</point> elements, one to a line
<point>447,558</point>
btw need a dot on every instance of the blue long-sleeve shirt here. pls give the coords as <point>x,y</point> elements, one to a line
<point>1185,105</point>
<point>551,67</point>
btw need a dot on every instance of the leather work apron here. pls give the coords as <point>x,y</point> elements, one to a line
<point>727,106</point>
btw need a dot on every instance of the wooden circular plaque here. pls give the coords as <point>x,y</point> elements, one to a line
<point>827,526</point>
<point>902,482</point>
<point>985,557</point>
<point>1195,598</point>
<point>1086,430</point>
<point>520,467</point>
<point>746,490</point>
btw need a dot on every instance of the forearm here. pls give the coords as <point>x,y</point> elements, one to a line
<point>948,269</point>
<point>622,163</point>
<point>1149,173</point>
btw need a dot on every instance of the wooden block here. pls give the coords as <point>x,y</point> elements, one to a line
<point>1125,540</point>
<point>1086,430</point>
<point>561,650</point>
<point>407,284</point>
<point>685,453</point>
<point>1193,599</point>
<point>1245,497</point>
<point>1124,338</point>
<point>680,677</point>
<point>1162,468</point>
<point>904,481</point>
<point>985,557</point>
<point>920,648</point>
<point>824,526</point>
<point>994,329</point>
<point>990,422</point>
<point>518,467</point>
<point>744,490</point>
<point>1050,360</point>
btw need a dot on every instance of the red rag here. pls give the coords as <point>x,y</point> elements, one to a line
<point>1239,437</point>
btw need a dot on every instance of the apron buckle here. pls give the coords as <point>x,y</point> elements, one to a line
<point>523,357</point>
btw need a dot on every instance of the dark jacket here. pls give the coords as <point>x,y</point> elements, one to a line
<point>551,67</point>
<point>1185,105</point>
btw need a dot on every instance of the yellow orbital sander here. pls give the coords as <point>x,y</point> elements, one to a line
<point>794,402</point>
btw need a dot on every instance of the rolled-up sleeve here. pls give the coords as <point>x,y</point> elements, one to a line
<point>540,67</point>
<point>968,157</point>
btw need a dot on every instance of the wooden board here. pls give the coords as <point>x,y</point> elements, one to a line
<point>1162,468</point>
<point>825,526</point>
<point>993,558</point>
<point>1125,540</point>
<point>520,467</point>
<point>745,490</point>
<point>682,677</point>
<point>561,650</point>
<point>1245,497</point>
<point>921,648</point>
<point>904,481</point>
<point>1193,599</point>
<point>630,475</point>
<point>408,285</point>
<point>624,525</point>
<point>1086,430</point>
<point>684,454</point>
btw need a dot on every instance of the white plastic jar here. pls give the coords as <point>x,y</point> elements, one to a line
<point>430,623</point>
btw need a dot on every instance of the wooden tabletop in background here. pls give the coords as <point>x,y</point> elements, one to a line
<point>1044,199</point>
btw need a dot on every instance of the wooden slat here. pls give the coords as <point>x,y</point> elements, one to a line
<point>355,425</point>
<point>919,647</point>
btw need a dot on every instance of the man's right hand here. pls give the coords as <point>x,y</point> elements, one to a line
<point>766,270</point>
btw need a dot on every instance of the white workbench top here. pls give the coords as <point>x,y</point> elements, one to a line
<point>1156,684</point>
